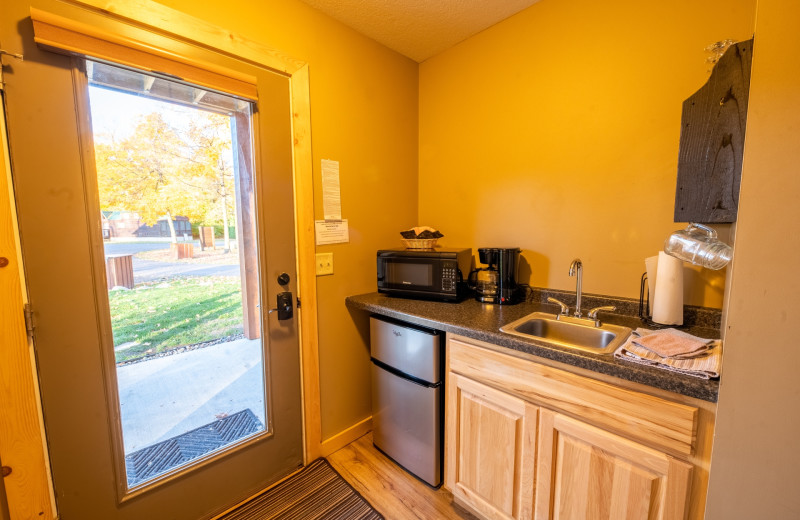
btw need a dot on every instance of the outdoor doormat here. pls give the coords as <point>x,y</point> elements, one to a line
<point>156,459</point>
<point>318,492</point>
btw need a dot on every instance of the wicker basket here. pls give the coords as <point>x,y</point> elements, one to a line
<point>420,243</point>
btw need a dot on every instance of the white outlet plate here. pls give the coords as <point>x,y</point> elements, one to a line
<point>324,264</point>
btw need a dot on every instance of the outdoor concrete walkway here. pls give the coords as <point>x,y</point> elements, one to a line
<point>149,270</point>
<point>165,397</point>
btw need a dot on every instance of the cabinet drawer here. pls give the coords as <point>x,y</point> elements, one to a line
<point>652,420</point>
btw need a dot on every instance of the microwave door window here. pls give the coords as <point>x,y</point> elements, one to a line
<point>415,275</point>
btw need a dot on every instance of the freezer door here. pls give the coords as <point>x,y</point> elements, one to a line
<point>408,350</point>
<point>406,422</point>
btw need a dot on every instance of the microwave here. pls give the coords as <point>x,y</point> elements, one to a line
<point>431,274</point>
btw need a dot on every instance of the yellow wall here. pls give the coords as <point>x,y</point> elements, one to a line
<point>755,460</point>
<point>557,131</point>
<point>363,114</point>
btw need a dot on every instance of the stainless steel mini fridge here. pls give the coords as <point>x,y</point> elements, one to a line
<point>407,396</point>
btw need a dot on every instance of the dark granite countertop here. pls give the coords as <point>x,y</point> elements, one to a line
<point>481,321</point>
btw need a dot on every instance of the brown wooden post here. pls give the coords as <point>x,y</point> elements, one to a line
<point>182,250</point>
<point>206,237</point>
<point>119,271</point>
<point>246,216</point>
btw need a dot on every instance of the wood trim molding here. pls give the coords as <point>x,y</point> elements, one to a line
<point>163,20</point>
<point>28,486</point>
<point>342,439</point>
<point>72,37</point>
<point>306,249</point>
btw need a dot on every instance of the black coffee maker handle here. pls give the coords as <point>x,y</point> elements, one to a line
<point>472,279</point>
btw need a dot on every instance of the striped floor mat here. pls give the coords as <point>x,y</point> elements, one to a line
<point>318,492</point>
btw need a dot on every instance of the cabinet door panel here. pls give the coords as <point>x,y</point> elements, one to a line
<point>490,449</point>
<point>586,473</point>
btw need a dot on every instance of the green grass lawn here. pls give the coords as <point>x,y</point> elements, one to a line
<point>158,316</point>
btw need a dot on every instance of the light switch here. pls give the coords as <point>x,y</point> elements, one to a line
<point>324,263</point>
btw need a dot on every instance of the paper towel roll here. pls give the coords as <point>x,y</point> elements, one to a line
<point>651,266</point>
<point>668,304</point>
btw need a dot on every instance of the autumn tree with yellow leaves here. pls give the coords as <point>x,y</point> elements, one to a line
<point>160,171</point>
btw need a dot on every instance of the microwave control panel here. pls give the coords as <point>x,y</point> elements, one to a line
<point>449,276</point>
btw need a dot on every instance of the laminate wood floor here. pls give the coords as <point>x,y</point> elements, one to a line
<point>390,490</point>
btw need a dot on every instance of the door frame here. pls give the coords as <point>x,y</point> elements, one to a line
<point>159,19</point>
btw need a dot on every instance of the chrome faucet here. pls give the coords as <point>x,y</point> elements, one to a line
<point>564,308</point>
<point>576,269</point>
<point>604,308</point>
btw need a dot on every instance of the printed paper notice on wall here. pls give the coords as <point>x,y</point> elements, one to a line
<point>331,197</point>
<point>332,231</point>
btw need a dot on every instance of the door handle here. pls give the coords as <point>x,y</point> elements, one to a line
<point>284,306</point>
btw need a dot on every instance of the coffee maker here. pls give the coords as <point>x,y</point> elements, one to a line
<point>497,283</point>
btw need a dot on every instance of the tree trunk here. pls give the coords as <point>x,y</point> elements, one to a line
<point>172,235</point>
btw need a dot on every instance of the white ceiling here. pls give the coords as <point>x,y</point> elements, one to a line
<point>419,29</point>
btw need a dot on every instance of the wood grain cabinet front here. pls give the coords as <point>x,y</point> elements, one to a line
<point>529,441</point>
<point>586,473</point>
<point>490,449</point>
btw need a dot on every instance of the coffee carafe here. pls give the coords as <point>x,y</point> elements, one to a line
<point>497,283</point>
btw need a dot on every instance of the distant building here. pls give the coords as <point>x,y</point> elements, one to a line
<point>128,224</point>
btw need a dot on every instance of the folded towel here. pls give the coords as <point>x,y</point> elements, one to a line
<point>705,365</point>
<point>671,343</point>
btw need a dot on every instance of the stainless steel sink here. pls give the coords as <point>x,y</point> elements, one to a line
<point>568,332</point>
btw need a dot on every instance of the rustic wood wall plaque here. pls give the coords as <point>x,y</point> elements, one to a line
<point>712,141</point>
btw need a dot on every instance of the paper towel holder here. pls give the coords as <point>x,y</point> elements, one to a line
<point>644,308</point>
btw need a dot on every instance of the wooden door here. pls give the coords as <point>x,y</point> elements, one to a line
<point>25,484</point>
<point>490,449</point>
<point>585,473</point>
<point>62,244</point>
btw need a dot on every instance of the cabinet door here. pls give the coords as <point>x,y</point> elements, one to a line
<point>490,450</point>
<point>587,473</point>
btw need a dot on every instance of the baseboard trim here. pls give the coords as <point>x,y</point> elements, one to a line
<point>343,438</point>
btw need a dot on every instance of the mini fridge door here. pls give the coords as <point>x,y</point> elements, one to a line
<point>407,424</point>
<point>413,351</point>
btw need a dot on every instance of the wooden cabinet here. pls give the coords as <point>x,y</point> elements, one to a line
<point>527,440</point>
<point>492,449</point>
<point>584,472</point>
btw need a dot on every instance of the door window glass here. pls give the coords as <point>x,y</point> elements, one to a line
<point>185,314</point>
